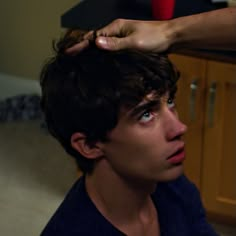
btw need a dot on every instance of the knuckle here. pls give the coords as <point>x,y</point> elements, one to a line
<point>140,43</point>
<point>119,21</point>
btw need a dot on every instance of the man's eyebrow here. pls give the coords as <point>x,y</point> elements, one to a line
<point>142,107</point>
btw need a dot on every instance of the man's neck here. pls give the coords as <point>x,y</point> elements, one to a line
<point>124,203</point>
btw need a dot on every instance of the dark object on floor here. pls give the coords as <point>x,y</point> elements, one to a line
<point>20,108</point>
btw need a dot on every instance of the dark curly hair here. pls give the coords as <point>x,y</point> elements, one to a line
<point>85,92</point>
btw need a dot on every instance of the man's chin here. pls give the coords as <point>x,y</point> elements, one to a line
<point>172,173</point>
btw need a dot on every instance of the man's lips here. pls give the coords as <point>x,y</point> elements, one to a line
<point>177,157</point>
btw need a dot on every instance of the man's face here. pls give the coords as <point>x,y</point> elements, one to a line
<point>146,143</point>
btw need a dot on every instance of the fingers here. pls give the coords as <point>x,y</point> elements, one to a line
<point>78,47</point>
<point>111,43</point>
<point>107,38</point>
<point>89,36</point>
<point>75,49</point>
<point>114,36</point>
<point>113,29</point>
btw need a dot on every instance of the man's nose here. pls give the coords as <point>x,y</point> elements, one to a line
<point>174,127</point>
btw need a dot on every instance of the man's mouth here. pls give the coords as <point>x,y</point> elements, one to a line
<point>177,157</point>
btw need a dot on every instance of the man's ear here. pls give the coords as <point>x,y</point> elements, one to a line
<point>79,143</point>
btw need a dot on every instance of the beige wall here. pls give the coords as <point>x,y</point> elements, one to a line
<point>27,29</point>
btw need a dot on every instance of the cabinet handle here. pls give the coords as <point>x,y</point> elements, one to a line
<point>192,102</point>
<point>211,105</point>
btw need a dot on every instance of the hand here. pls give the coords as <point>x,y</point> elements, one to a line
<point>129,34</point>
<point>133,34</point>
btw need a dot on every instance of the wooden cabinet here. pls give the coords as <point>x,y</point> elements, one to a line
<point>206,102</point>
<point>219,141</point>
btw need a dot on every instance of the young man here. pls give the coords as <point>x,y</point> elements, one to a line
<point>114,112</point>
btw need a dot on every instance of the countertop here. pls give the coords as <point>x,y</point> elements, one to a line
<point>93,14</point>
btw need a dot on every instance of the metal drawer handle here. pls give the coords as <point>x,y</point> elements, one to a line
<point>192,101</point>
<point>211,105</point>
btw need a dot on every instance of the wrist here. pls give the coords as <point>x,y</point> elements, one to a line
<point>175,34</point>
<point>164,35</point>
<point>181,32</point>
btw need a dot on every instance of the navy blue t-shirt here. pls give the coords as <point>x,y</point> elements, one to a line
<point>178,204</point>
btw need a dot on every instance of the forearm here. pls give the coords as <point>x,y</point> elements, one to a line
<point>212,30</point>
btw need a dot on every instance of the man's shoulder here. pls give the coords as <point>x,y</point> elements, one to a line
<point>77,215</point>
<point>72,214</point>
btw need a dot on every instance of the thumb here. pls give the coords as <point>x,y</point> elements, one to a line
<point>111,43</point>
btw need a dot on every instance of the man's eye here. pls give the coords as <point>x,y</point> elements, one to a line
<point>146,117</point>
<point>171,102</point>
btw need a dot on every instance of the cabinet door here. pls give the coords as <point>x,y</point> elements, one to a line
<point>190,106</point>
<point>219,157</point>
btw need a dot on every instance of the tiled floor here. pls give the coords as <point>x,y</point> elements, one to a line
<point>32,180</point>
<point>35,174</point>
